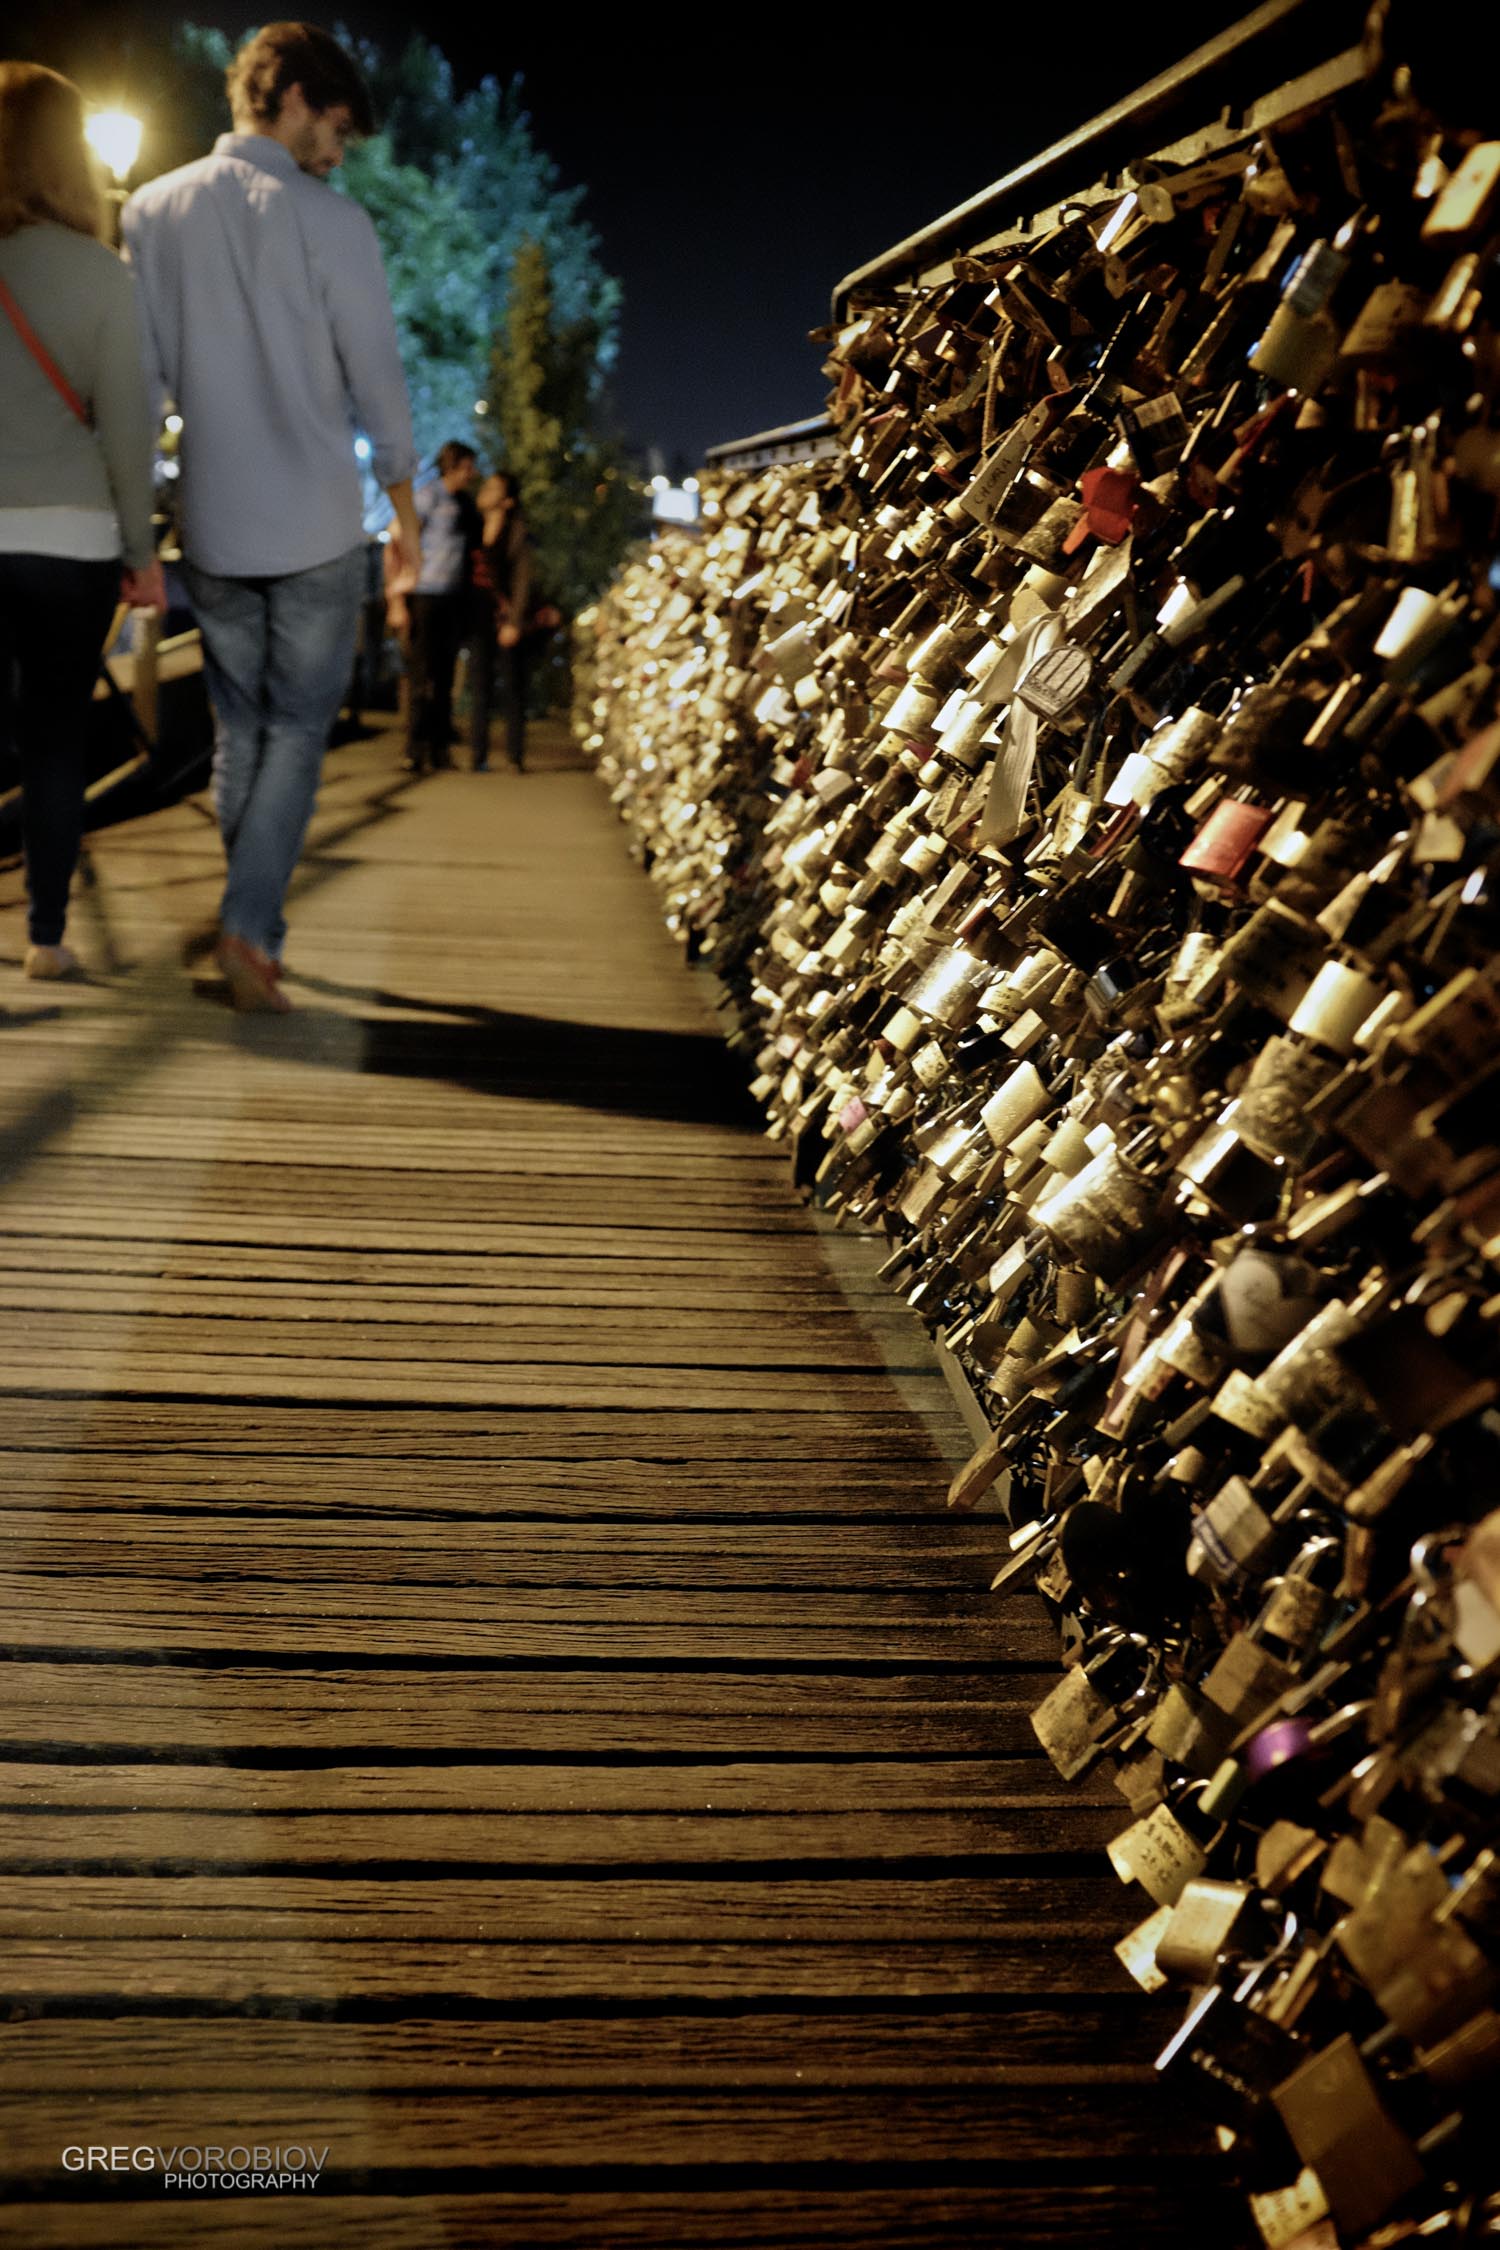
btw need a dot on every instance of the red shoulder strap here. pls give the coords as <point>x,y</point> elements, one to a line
<point>43,357</point>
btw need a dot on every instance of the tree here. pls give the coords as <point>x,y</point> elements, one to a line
<point>437,263</point>
<point>481,144</point>
<point>582,505</point>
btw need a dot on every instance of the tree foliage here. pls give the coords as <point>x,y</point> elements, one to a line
<point>581,503</point>
<point>480,145</point>
<point>437,262</point>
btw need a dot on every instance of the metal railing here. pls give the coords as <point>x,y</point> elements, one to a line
<point>1280,58</point>
<point>1283,56</point>
<point>794,441</point>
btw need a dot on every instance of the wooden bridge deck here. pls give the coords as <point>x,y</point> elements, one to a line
<point>492,1692</point>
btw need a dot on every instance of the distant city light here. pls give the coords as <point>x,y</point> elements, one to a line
<point>174,423</point>
<point>673,503</point>
<point>362,449</point>
<point>115,138</point>
<point>171,468</point>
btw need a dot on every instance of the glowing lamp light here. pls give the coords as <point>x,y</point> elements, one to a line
<point>658,484</point>
<point>173,423</point>
<point>115,138</point>
<point>362,449</point>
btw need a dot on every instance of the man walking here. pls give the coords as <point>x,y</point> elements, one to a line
<point>439,603</point>
<point>267,314</point>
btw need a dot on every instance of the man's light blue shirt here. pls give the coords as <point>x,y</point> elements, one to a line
<point>270,326</point>
<point>445,545</point>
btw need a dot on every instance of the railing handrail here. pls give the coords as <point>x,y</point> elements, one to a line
<point>1298,39</point>
<point>1285,35</point>
<point>802,439</point>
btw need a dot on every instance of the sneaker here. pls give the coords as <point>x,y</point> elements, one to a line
<point>253,978</point>
<point>46,962</point>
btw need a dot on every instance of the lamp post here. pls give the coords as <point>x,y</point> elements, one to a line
<point>115,138</point>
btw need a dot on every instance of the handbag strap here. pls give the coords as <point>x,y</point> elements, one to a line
<point>43,358</point>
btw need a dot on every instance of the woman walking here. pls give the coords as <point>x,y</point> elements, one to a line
<point>500,584</point>
<point>75,473</point>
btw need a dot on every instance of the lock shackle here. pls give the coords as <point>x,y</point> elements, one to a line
<point>1339,1722</point>
<point>1313,1550</point>
<point>1290,1932</point>
<point>1108,1641</point>
<point>1254,1971</point>
<point>1429,1580</point>
<point>1110,1635</point>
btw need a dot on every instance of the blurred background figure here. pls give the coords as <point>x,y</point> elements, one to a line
<point>75,474</point>
<point>503,620</point>
<point>438,603</point>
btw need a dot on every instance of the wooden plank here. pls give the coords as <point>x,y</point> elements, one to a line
<point>337,1794</point>
<point>552,1838</point>
<point>441,1341</point>
<point>957,1555</point>
<point>881,1435</point>
<point>1083,2043</point>
<point>519,1623</point>
<point>755,1170</point>
<point>823,2213</point>
<point>381,1976</point>
<point>413,1278</point>
<point>680,1493</point>
<point>501,2131</point>
<point>556,1910</point>
<point>289,1192</point>
<point>125,1370</point>
<point>71,1213</point>
<point>535,1316</point>
<point>110,1709</point>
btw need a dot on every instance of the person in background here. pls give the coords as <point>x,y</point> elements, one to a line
<point>270,326</point>
<point>437,604</point>
<point>500,620</point>
<point>75,473</point>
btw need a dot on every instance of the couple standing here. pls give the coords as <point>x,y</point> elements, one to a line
<point>472,593</point>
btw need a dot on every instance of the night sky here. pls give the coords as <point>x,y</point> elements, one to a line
<point>735,174</point>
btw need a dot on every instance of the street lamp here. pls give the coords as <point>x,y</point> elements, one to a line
<point>115,138</point>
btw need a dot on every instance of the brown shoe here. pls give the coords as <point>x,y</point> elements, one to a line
<point>252,978</point>
<point>46,962</point>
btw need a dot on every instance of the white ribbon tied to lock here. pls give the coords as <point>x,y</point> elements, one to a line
<point>1015,758</point>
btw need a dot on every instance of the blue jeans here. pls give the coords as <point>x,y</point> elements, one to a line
<point>278,654</point>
